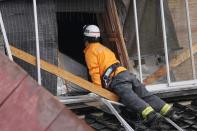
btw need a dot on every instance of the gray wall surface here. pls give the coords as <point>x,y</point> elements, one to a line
<point>1,41</point>
<point>19,24</point>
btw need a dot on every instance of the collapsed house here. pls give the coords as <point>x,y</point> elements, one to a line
<point>60,25</point>
<point>60,35</point>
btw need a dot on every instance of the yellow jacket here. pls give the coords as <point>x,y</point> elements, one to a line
<point>98,59</point>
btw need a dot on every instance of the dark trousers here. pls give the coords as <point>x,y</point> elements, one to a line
<point>133,93</point>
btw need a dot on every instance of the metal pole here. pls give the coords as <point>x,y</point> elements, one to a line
<point>165,41</point>
<point>37,42</point>
<point>113,110</point>
<point>174,124</point>
<point>190,39</point>
<point>137,39</point>
<point>7,46</point>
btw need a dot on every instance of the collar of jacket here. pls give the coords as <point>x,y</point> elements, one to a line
<point>89,45</point>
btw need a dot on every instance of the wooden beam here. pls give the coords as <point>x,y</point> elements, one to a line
<point>176,61</point>
<point>65,75</point>
<point>120,43</point>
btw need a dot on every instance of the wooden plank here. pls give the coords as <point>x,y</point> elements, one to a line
<point>114,19</point>
<point>65,75</point>
<point>176,61</point>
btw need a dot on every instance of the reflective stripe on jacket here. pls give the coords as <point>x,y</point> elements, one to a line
<point>98,59</point>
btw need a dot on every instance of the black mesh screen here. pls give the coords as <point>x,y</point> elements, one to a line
<point>19,23</point>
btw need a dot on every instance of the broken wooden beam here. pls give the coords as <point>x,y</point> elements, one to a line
<point>174,62</point>
<point>65,75</point>
<point>120,43</point>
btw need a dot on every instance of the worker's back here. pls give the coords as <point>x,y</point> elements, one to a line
<point>98,59</point>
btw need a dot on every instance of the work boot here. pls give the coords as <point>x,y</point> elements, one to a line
<point>172,114</point>
<point>154,121</point>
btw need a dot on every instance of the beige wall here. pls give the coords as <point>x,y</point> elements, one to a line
<point>177,7</point>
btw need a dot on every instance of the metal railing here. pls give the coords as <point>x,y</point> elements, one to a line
<point>7,46</point>
<point>5,38</point>
<point>137,39</point>
<point>190,39</point>
<point>37,42</point>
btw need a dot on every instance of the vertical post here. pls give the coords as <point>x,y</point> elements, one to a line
<point>190,39</point>
<point>7,46</point>
<point>137,39</point>
<point>37,42</point>
<point>165,41</point>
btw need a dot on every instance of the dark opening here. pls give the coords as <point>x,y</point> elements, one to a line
<point>70,33</point>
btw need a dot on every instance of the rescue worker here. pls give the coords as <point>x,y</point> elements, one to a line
<point>106,71</point>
